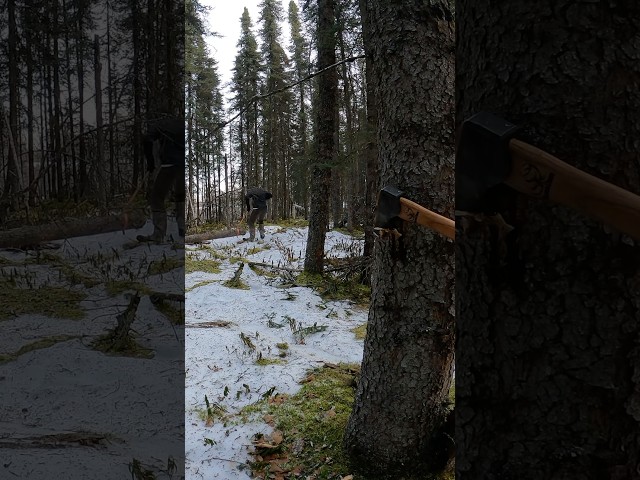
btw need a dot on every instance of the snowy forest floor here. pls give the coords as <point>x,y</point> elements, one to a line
<point>67,409</point>
<point>270,363</point>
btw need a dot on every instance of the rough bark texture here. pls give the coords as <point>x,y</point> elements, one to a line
<point>548,362</point>
<point>325,141</point>
<point>408,354</point>
<point>204,237</point>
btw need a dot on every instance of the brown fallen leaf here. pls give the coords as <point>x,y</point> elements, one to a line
<point>277,437</point>
<point>348,477</point>
<point>329,414</point>
<point>269,419</point>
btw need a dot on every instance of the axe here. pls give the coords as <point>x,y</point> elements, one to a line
<point>393,206</point>
<point>488,155</point>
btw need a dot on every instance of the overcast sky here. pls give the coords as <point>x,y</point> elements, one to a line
<point>224,19</point>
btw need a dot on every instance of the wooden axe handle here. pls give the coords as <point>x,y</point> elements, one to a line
<point>536,173</point>
<point>412,212</point>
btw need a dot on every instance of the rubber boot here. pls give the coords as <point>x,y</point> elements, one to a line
<point>180,218</point>
<point>159,218</point>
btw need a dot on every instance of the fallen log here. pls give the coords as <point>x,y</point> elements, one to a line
<point>31,235</point>
<point>203,237</point>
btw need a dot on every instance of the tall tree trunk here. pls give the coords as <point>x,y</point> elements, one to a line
<point>548,313</point>
<point>99,178</point>
<point>57,114</point>
<point>325,141</point>
<point>71,173</point>
<point>138,161</point>
<point>11,182</point>
<point>82,162</point>
<point>371,149</point>
<point>394,430</point>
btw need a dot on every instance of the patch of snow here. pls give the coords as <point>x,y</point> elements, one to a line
<point>216,357</point>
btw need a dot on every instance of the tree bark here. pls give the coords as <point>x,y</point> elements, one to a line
<point>401,400</point>
<point>325,141</point>
<point>33,235</point>
<point>99,178</point>
<point>548,360</point>
<point>371,148</point>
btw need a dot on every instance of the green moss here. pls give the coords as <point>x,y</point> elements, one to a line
<point>192,264</point>
<point>67,270</point>
<point>207,227</point>
<point>282,346</point>
<point>315,417</point>
<point>54,302</point>
<point>360,331</point>
<point>261,271</point>
<point>269,361</point>
<point>291,223</point>
<point>254,250</point>
<point>200,284</point>
<point>37,345</point>
<point>130,347</point>
<point>331,288</point>
<point>116,287</point>
<point>236,259</point>
<point>168,263</point>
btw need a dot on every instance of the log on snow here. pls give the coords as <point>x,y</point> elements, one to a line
<point>203,237</point>
<point>33,235</point>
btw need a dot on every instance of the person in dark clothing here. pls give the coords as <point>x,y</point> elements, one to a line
<point>169,134</point>
<point>256,201</point>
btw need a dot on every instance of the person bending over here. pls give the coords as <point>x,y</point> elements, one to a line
<point>256,202</point>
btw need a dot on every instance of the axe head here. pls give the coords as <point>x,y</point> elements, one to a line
<point>482,158</point>
<point>388,207</point>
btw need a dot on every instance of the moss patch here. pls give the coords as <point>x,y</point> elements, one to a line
<point>360,331</point>
<point>37,345</point>
<point>331,288</point>
<point>312,423</point>
<point>131,348</point>
<point>116,287</point>
<point>192,264</point>
<point>269,361</point>
<point>200,284</point>
<point>168,263</point>
<point>48,301</point>
<point>261,271</point>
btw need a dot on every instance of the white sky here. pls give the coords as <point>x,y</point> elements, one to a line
<point>224,19</point>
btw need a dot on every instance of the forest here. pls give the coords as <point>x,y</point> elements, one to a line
<point>267,136</point>
<point>353,340</point>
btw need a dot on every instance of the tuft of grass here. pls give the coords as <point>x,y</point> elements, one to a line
<point>37,345</point>
<point>360,331</point>
<point>262,361</point>
<point>261,271</point>
<point>193,264</point>
<point>331,288</point>
<point>48,301</point>
<point>168,263</point>
<point>200,284</point>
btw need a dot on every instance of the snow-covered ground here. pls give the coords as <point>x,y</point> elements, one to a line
<point>221,366</point>
<point>105,411</point>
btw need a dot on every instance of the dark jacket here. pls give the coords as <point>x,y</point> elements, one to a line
<point>256,197</point>
<point>170,133</point>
